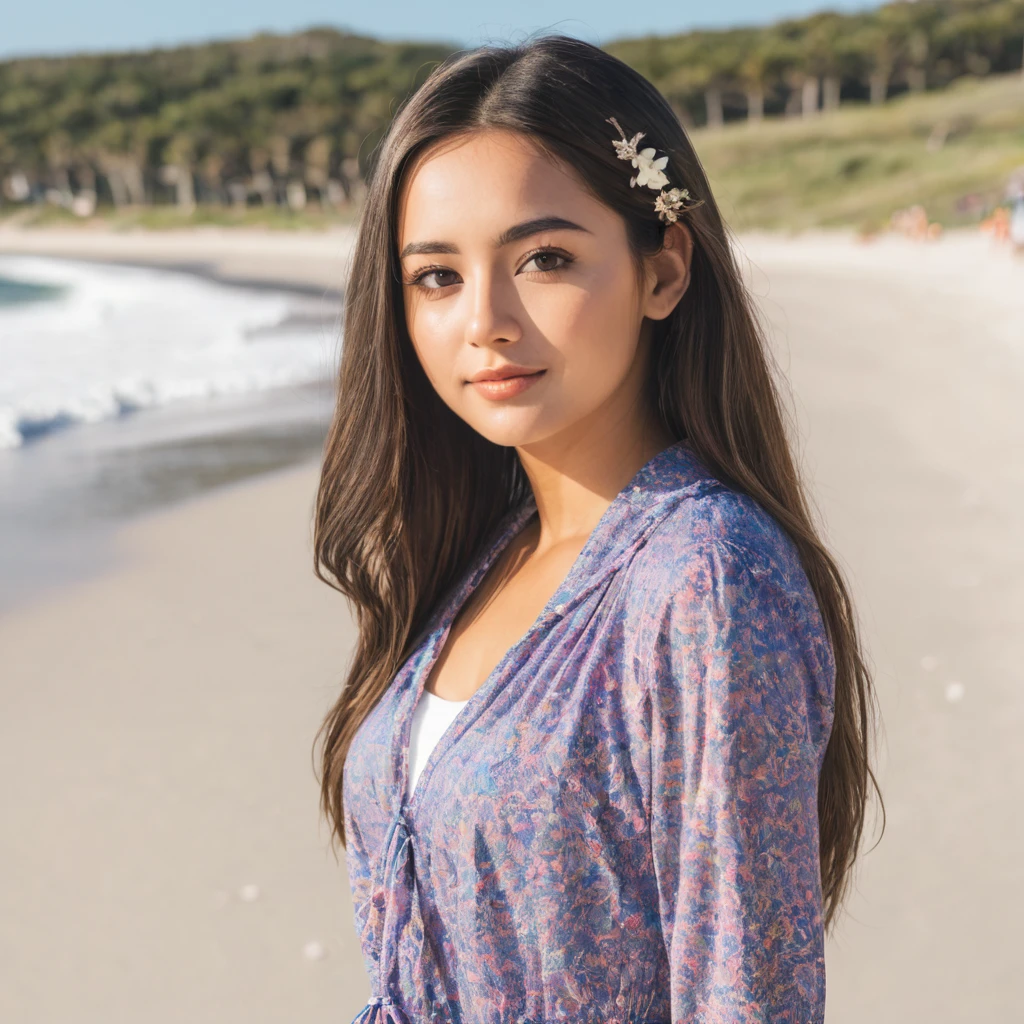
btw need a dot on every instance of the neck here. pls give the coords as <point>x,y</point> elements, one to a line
<point>576,474</point>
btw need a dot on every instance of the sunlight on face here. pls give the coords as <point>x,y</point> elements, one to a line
<point>561,304</point>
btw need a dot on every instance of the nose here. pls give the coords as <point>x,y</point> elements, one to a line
<point>493,307</point>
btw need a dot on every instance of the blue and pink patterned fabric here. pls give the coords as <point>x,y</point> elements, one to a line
<point>621,825</point>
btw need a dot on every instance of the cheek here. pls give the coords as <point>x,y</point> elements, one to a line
<point>595,327</point>
<point>435,339</point>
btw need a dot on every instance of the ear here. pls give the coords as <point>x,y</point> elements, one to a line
<point>668,272</point>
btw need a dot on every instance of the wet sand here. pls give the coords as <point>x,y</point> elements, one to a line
<point>156,745</point>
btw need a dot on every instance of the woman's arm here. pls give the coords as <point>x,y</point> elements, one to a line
<point>360,875</point>
<point>741,710</point>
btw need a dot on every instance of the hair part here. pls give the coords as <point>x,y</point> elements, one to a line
<point>409,493</point>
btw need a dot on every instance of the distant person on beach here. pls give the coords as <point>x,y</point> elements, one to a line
<point>602,751</point>
<point>1017,224</point>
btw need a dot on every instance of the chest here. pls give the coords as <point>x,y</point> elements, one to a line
<point>553,733</point>
<point>500,611</point>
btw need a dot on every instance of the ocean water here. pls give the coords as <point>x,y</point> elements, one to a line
<point>124,389</point>
<point>83,342</point>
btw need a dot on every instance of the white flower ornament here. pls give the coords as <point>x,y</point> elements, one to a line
<point>650,173</point>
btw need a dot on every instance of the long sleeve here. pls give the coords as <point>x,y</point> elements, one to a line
<point>741,689</point>
<point>357,865</point>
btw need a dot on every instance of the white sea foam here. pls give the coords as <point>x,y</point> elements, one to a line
<point>116,339</point>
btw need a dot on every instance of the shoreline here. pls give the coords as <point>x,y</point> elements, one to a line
<point>160,456</point>
<point>66,497</point>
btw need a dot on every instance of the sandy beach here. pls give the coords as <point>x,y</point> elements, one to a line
<point>310,261</point>
<point>163,850</point>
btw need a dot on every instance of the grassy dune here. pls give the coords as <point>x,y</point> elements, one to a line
<point>951,151</point>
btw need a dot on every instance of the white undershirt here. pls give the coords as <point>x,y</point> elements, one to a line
<point>430,719</point>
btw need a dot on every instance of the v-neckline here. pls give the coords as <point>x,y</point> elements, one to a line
<point>516,520</point>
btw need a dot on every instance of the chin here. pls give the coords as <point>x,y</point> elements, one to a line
<point>509,431</point>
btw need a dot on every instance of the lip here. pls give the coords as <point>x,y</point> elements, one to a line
<point>503,372</point>
<point>505,381</point>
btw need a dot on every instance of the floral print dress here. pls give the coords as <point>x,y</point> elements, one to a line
<point>621,824</point>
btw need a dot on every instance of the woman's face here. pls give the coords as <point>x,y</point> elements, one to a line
<point>508,263</point>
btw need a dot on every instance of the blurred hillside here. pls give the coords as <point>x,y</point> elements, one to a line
<point>272,121</point>
<point>829,119</point>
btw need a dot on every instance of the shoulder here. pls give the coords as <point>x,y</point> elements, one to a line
<point>716,533</point>
<point>717,570</point>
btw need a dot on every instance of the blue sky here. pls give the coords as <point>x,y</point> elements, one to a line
<point>63,26</point>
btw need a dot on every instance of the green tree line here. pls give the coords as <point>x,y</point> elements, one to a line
<point>286,121</point>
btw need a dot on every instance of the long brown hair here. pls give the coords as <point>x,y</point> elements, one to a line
<point>409,492</point>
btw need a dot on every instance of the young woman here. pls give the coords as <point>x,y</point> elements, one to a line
<point>602,752</point>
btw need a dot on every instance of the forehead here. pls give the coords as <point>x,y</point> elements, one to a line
<point>481,183</point>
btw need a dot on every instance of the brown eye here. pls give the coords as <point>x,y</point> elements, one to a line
<point>545,260</point>
<point>421,277</point>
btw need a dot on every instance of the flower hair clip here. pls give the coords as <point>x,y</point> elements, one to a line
<point>668,202</point>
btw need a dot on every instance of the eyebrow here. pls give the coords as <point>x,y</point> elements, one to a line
<point>513,234</point>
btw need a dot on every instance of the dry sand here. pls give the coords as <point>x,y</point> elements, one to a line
<point>311,261</point>
<point>155,745</point>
